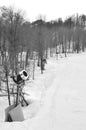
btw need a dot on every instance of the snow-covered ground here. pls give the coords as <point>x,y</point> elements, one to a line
<point>58,97</point>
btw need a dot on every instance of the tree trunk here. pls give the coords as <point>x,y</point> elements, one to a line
<point>33,67</point>
<point>8,90</point>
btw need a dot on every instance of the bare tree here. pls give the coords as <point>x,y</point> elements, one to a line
<point>13,21</point>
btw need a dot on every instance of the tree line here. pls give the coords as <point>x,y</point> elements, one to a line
<point>23,43</point>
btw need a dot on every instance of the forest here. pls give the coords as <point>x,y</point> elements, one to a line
<point>24,44</point>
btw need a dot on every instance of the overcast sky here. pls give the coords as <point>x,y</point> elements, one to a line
<point>52,9</point>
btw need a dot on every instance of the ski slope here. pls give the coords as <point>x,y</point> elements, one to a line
<point>61,103</point>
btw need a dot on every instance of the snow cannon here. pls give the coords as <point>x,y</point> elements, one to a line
<point>21,77</point>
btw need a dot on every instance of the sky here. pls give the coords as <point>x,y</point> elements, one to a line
<point>49,9</point>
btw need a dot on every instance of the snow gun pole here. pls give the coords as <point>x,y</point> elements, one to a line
<point>17,96</point>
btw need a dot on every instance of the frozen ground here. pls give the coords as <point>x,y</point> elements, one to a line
<point>58,97</point>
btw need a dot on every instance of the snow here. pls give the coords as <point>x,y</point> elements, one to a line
<point>57,97</point>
